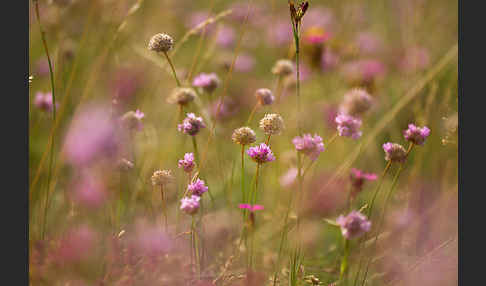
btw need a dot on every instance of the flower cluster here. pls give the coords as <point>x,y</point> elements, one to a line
<point>190,205</point>
<point>243,136</point>
<point>356,102</point>
<point>283,68</point>
<point>358,178</point>
<point>161,43</point>
<point>272,124</point>
<point>261,154</point>
<point>310,146</point>
<point>162,178</point>
<point>133,120</point>
<point>191,124</point>
<point>187,163</point>
<point>416,135</point>
<point>181,96</point>
<point>43,101</point>
<point>353,225</point>
<point>197,188</point>
<point>348,126</point>
<point>264,96</point>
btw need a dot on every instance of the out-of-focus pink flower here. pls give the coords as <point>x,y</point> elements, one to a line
<point>125,83</point>
<point>42,68</point>
<point>261,154</point>
<point>348,126</point>
<point>319,17</point>
<point>76,245</point>
<point>279,33</point>
<point>394,152</point>
<point>43,101</point>
<point>244,63</point>
<point>90,136</point>
<point>190,205</point>
<point>251,208</point>
<point>415,59</point>
<point>416,135</point>
<point>358,178</point>
<point>310,146</point>
<point>354,224</point>
<point>197,18</point>
<point>208,82</point>
<point>226,37</point>
<point>315,36</point>
<point>365,70</point>
<point>369,43</point>
<point>227,109</point>
<point>89,191</point>
<point>151,240</point>
<point>329,60</point>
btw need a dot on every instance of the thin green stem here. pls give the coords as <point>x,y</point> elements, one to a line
<point>172,68</point>
<point>344,261</point>
<point>243,197</point>
<point>196,153</point>
<point>252,113</point>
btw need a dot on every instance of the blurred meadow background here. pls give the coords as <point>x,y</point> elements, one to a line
<point>105,176</point>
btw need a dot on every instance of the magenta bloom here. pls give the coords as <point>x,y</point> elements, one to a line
<point>197,188</point>
<point>244,63</point>
<point>91,135</point>
<point>348,126</point>
<point>251,208</point>
<point>261,154</point>
<point>365,70</point>
<point>43,101</point>
<point>208,82</point>
<point>187,163</point>
<point>226,37</point>
<point>416,135</point>
<point>358,178</point>
<point>89,192</point>
<point>150,240</point>
<point>415,59</point>
<point>190,205</point>
<point>353,225</point>
<point>310,146</point>
<point>191,124</point>
<point>77,244</point>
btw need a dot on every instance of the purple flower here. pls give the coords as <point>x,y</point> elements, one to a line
<point>89,192</point>
<point>369,43</point>
<point>394,152</point>
<point>415,59</point>
<point>264,96</point>
<point>251,208</point>
<point>353,225</point>
<point>187,163</point>
<point>287,179</point>
<point>43,101</point>
<point>244,63</point>
<point>133,120</point>
<point>348,126</point>
<point>208,82</point>
<point>358,178</point>
<point>310,146</point>
<point>329,60</point>
<point>150,240</point>
<point>261,154</point>
<point>191,124</point>
<point>365,70</point>
<point>190,205</point>
<point>77,244</point>
<point>416,135</point>
<point>197,188</point>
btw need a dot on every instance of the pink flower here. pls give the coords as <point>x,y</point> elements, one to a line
<point>416,135</point>
<point>348,126</point>
<point>191,124</point>
<point>226,37</point>
<point>358,178</point>
<point>353,225</point>
<point>365,70</point>
<point>190,205</point>
<point>89,192</point>
<point>77,244</point>
<point>197,188</point>
<point>261,154</point>
<point>187,163</point>
<point>251,208</point>
<point>43,101</point>
<point>310,146</point>
<point>394,152</point>
<point>288,178</point>
<point>208,82</point>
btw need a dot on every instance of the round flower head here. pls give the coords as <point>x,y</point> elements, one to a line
<point>358,178</point>
<point>124,164</point>
<point>416,135</point>
<point>191,124</point>
<point>272,124</point>
<point>356,102</point>
<point>348,126</point>
<point>162,178</point>
<point>283,67</point>
<point>394,152</point>
<point>43,101</point>
<point>243,136</point>
<point>197,188</point>
<point>264,96</point>
<point>353,225</point>
<point>133,120</point>
<point>310,146</point>
<point>187,163</point>
<point>261,154</point>
<point>161,43</point>
<point>208,82</point>
<point>190,205</point>
<point>181,96</point>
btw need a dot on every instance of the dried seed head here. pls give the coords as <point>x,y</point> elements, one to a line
<point>161,43</point>
<point>394,152</point>
<point>243,136</point>
<point>181,96</point>
<point>162,178</point>
<point>283,67</point>
<point>272,124</point>
<point>356,102</point>
<point>264,96</point>
<point>124,165</point>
